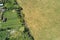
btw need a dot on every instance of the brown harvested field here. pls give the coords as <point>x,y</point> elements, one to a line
<point>43,18</point>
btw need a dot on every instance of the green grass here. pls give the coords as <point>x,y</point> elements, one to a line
<point>12,19</point>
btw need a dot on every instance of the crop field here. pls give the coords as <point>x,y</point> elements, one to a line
<point>42,18</point>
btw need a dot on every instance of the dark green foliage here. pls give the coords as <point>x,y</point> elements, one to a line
<point>3,35</point>
<point>11,4</point>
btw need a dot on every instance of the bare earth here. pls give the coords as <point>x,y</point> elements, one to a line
<point>43,18</point>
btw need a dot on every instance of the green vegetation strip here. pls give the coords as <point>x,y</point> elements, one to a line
<point>12,23</point>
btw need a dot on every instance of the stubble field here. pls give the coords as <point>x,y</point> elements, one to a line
<point>42,18</point>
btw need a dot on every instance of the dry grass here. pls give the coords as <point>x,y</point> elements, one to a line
<point>42,17</point>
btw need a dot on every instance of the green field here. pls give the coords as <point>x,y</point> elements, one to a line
<point>12,19</point>
<point>42,18</point>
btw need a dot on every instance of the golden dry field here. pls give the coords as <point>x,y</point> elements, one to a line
<point>42,18</point>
